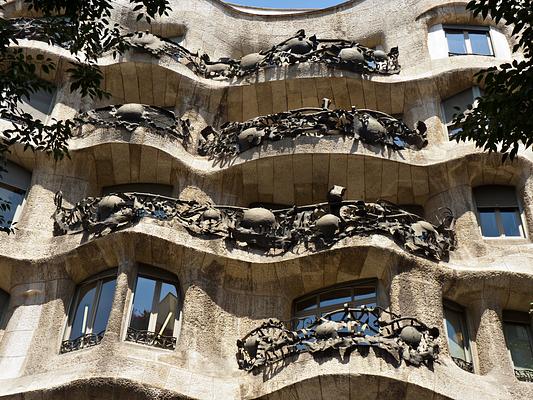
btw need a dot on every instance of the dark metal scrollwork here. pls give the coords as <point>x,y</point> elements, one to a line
<point>151,338</point>
<point>368,126</point>
<point>297,49</point>
<point>87,340</point>
<point>314,226</point>
<point>342,330</point>
<point>524,375</point>
<point>464,365</point>
<point>131,116</point>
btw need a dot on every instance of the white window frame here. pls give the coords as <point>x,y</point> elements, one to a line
<point>520,214</point>
<point>466,29</point>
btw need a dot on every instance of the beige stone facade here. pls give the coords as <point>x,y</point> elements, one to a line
<point>228,290</point>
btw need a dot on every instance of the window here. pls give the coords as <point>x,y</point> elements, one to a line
<point>464,40</point>
<point>519,339</point>
<point>498,211</point>
<point>356,294</point>
<point>457,333</point>
<point>4,302</point>
<point>149,188</point>
<point>461,101</point>
<point>155,314</point>
<point>89,312</point>
<point>14,183</point>
<point>39,105</point>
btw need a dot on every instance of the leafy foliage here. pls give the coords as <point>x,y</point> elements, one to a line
<point>85,29</point>
<point>502,118</point>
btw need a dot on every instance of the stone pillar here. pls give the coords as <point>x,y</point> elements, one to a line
<point>486,318</point>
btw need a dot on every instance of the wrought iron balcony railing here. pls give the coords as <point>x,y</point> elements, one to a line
<point>342,330</point>
<point>132,116</point>
<point>151,338</point>
<point>524,375</point>
<point>87,340</point>
<point>368,126</point>
<point>312,227</point>
<point>297,49</point>
<point>465,365</point>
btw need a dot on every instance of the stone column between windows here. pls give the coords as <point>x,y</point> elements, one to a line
<point>126,272</point>
<point>487,332</point>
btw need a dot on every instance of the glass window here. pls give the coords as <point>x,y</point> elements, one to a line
<point>458,103</point>
<point>155,312</point>
<point>356,294</point>
<point>39,104</point>
<point>457,333</point>
<point>89,312</point>
<point>498,211</point>
<point>14,183</point>
<point>473,40</point>
<point>4,303</point>
<point>519,339</point>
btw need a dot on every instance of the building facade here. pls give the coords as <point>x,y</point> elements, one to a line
<point>270,206</point>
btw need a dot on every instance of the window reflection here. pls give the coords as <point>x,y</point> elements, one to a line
<point>90,312</point>
<point>517,328</point>
<point>4,302</point>
<point>473,40</point>
<point>14,183</point>
<point>155,313</point>
<point>458,340</point>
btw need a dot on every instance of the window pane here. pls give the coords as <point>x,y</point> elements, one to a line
<point>4,302</point>
<point>457,341</point>
<point>480,43</point>
<point>104,305</point>
<point>487,219</point>
<point>460,100</point>
<point>518,341</point>
<point>366,296</point>
<point>456,42</point>
<point>15,200</point>
<point>166,309</point>
<point>83,310</point>
<point>510,222</point>
<point>306,304</point>
<point>142,303</point>
<point>38,104</point>
<point>335,297</point>
<point>304,322</point>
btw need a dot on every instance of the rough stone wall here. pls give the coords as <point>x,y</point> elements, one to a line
<point>229,291</point>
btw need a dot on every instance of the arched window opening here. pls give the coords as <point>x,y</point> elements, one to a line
<point>4,303</point>
<point>498,211</point>
<point>14,183</point>
<point>312,307</point>
<point>455,323</point>
<point>518,331</point>
<point>156,310</point>
<point>456,104</point>
<point>89,312</point>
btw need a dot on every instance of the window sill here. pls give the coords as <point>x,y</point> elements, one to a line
<point>507,240</point>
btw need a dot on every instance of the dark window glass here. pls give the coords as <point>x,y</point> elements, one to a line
<point>15,199</point>
<point>457,338</point>
<point>510,222</point>
<point>14,183</point>
<point>489,226</point>
<point>90,313</point>
<point>4,302</point>
<point>142,303</point>
<point>480,43</point>
<point>155,313</point>
<point>307,310</point>
<point>456,42</point>
<point>518,338</point>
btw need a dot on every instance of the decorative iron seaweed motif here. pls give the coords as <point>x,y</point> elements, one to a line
<point>368,126</point>
<point>314,227</point>
<point>42,30</point>
<point>296,49</point>
<point>342,330</point>
<point>465,365</point>
<point>524,375</point>
<point>132,115</point>
<point>151,338</point>
<point>87,340</point>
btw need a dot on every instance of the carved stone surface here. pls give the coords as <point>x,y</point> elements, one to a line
<point>88,340</point>
<point>312,227</point>
<point>131,116</point>
<point>342,330</point>
<point>297,49</point>
<point>368,126</point>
